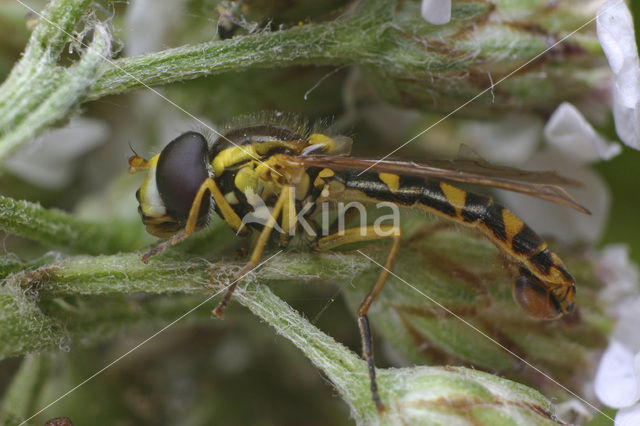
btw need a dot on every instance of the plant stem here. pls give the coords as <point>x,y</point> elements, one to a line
<point>421,60</point>
<point>59,229</point>
<point>347,371</point>
<point>39,92</point>
<point>33,317</point>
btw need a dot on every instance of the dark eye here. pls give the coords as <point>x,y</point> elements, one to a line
<point>180,172</point>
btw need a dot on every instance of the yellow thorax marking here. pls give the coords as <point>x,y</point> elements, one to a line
<point>391,180</point>
<point>456,196</point>
<point>253,151</point>
<point>324,173</point>
<point>231,198</point>
<point>246,178</point>
<point>231,156</point>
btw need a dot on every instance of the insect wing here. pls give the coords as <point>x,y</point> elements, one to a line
<point>541,184</point>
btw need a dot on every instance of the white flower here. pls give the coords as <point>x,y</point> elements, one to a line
<point>436,12</point>
<point>615,32</point>
<point>614,268</point>
<point>617,382</point>
<point>628,417</point>
<point>148,23</point>
<point>564,224</point>
<point>510,140</point>
<point>48,162</point>
<point>570,133</point>
<point>514,140</point>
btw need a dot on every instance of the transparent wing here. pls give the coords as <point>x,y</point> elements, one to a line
<point>546,185</point>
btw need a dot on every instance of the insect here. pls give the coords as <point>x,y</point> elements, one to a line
<point>292,173</point>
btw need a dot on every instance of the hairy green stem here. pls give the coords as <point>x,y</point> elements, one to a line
<point>322,44</point>
<point>357,39</point>
<point>407,60</point>
<point>32,317</point>
<point>39,92</point>
<point>478,395</point>
<point>346,370</point>
<point>59,229</point>
<point>29,82</point>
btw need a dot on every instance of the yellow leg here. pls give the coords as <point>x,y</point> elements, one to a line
<point>367,234</point>
<point>257,251</point>
<point>228,214</point>
<point>289,219</point>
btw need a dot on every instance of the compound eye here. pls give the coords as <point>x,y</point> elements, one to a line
<point>180,172</point>
<point>534,299</point>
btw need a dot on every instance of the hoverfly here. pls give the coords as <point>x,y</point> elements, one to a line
<point>288,171</point>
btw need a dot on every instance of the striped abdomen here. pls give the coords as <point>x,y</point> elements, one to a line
<point>539,266</point>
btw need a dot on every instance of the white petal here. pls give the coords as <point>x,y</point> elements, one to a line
<point>628,416</point>
<point>627,121</point>
<point>569,132</point>
<point>615,32</point>
<point>616,384</point>
<point>47,162</point>
<point>436,12</point>
<point>614,265</point>
<point>626,331</point>
<point>636,368</point>
<point>511,140</point>
<point>564,224</point>
<point>388,120</point>
<point>613,21</point>
<point>148,23</point>
<point>620,274</point>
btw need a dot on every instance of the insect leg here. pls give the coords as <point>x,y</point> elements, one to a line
<point>257,251</point>
<point>289,219</point>
<point>365,234</point>
<point>164,245</point>
<point>228,214</point>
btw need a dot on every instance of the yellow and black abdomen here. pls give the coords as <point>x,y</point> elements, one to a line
<point>500,225</point>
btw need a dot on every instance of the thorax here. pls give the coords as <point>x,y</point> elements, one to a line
<point>243,167</point>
